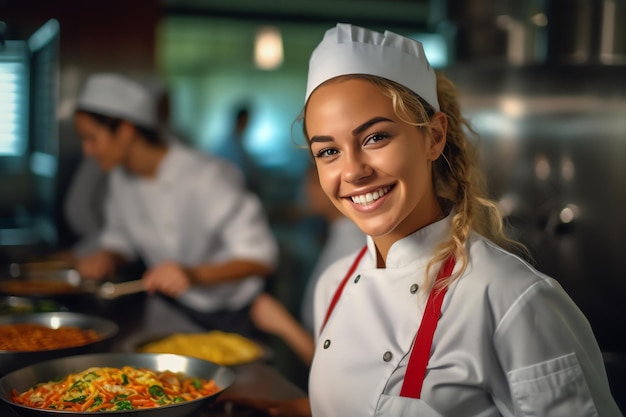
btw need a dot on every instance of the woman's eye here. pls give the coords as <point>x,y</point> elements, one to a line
<point>376,137</point>
<point>327,152</point>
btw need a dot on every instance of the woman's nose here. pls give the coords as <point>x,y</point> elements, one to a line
<point>355,169</point>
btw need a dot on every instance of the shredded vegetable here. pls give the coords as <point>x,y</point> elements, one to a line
<point>114,389</point>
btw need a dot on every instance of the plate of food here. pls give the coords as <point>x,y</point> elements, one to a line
<point>137,384</point>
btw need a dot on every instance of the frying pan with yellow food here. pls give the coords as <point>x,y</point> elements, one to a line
<point>219,347</point>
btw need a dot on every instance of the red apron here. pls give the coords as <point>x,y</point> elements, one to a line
<point>418,361</point>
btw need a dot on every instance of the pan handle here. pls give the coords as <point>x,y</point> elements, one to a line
<point>111,290</point>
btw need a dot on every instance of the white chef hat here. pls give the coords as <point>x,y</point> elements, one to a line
<point>115,95</point>
<point>347,49</point>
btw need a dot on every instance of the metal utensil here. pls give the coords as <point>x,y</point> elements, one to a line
<point>111,290</point>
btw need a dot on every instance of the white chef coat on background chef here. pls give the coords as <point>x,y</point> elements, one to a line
<point>509,342</point>
<point>195,210</point>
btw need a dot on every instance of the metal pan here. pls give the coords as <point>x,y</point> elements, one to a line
<point>136,342</point>
<point>24,378</point>
<point>106,330</point>
<point>64,284</point>
<point>52,283</point>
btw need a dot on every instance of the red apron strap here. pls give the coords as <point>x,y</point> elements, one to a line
<point>339,290</point>
<point>420,354</point>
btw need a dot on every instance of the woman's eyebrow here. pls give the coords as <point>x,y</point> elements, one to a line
<point>321,139</point>
<point>360,129</point>
<point>357,131</point>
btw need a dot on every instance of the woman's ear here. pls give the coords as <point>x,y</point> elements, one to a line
<point>438,131</point>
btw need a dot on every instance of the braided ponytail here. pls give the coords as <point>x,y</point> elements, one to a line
<point>459,180</point>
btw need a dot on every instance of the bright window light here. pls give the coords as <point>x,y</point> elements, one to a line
<point>13,99</point>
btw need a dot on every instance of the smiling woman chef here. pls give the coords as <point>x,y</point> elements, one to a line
<point>203,237</point>
<point>434,316</point>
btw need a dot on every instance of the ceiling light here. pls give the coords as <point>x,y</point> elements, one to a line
<point>268,48</point>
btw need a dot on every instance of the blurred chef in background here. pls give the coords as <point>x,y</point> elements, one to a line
<point>204,239</point>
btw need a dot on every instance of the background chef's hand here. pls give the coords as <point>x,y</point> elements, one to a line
<point>96,266</point>
<point>168,278</point>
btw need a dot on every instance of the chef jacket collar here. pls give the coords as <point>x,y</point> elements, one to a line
<point>418,246</point>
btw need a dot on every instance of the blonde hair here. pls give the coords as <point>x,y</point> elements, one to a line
<point>457,177</point>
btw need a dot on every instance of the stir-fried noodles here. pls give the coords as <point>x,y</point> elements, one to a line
<point>113,389</point>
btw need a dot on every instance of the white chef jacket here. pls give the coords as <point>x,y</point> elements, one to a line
<point>195,210</point>
<point>509,342</point>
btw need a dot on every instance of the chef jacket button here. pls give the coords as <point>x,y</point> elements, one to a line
<point>326,343</point>
<point>357,278</point>
<point>387,356</point>
<point>414,288</point>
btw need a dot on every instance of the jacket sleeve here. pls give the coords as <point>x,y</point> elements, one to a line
<point>552,361</point>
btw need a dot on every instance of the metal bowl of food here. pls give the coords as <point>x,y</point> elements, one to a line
<point>60,369</point>
<point>26,339</point>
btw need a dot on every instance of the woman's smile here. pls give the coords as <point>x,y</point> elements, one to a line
<point>369,198</point>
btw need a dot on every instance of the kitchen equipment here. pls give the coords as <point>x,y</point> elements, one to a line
<point>106,330</point>
<point>20,305</point>
<point>48,281</point>
<point>111,290</point>
<point>54,282</point>
<point>17,269</point>
<point>24,378</point>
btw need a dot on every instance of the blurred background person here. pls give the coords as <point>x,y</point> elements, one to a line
<point>234,148</point>
<point>204,239</point>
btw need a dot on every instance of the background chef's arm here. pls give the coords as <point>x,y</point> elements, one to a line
<point>99,265</point>
<point>232,270</point>
<point>269,315</point>
<point>243,232</point>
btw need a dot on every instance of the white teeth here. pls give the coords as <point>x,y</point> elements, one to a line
<point>369,198</point>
